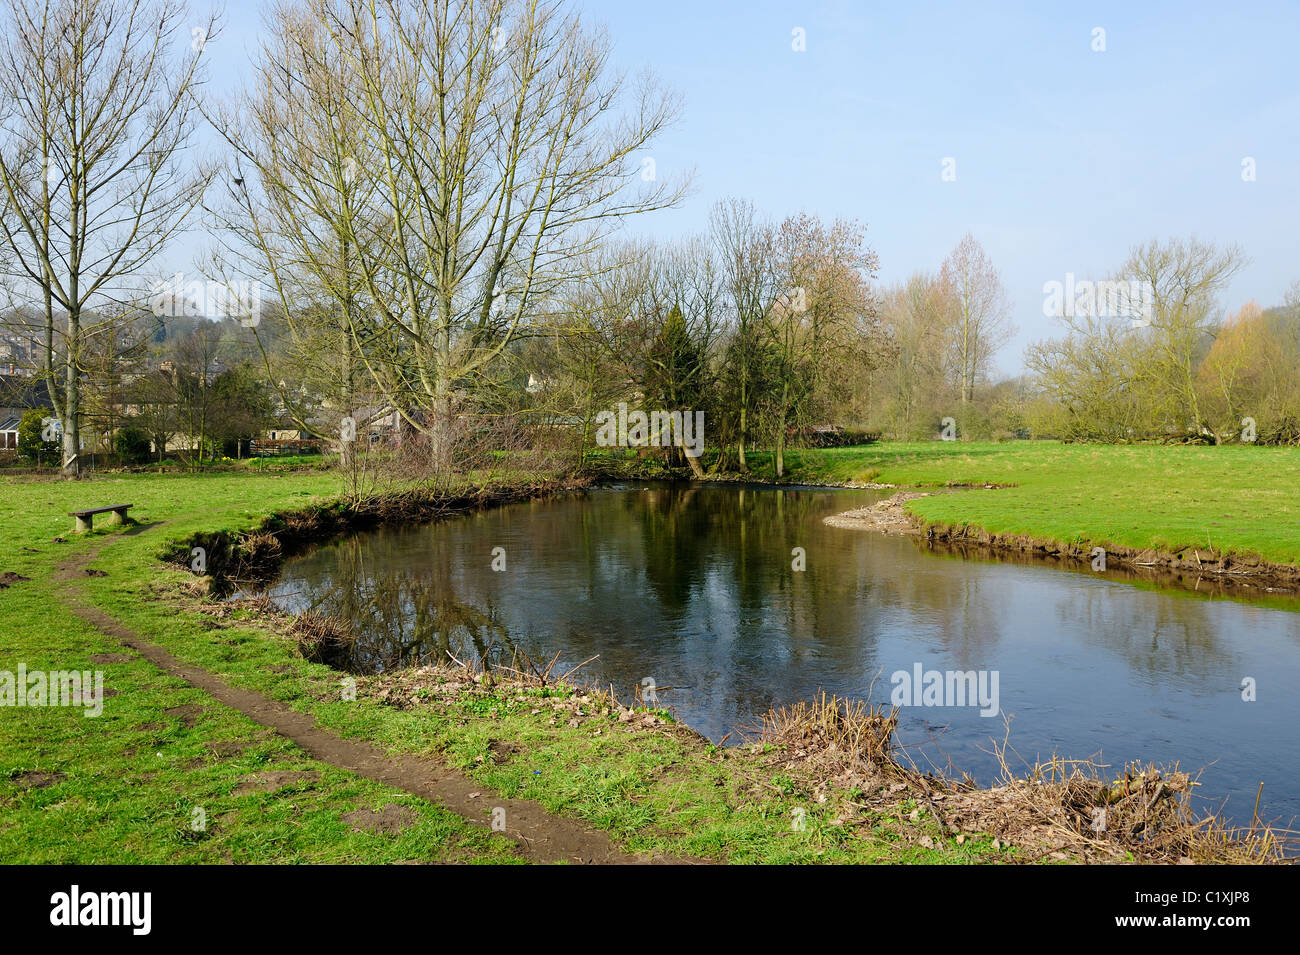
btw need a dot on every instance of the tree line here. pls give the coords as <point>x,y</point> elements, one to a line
<point>421,210</point>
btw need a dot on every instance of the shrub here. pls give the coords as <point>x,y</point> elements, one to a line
<point>32,446</point>
<point>132,445</point>
<point>843,438</point>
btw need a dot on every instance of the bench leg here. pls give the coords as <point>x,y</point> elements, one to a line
<point>85,524</point>
<point>115,517</point>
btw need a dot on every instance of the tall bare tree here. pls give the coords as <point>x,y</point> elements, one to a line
<point>746,251</point>
<point>824,312</point>
<point>676,325</point>
<point>492,141</point>
<point>914,316</point>
<point>97,109</point>
<point>1182,279</point>
<point>980,320</point>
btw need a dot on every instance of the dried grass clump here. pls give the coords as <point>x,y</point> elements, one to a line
<point>303,525</point>
<point>260,605</point>
<point>1058,810</point>
<point>524,670</point>
<point>257,556</point>
<point>1070,807</point>
<point>321,638</point>
<point>839,733</point>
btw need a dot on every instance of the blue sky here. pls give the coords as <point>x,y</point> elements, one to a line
<point>1064,157</point>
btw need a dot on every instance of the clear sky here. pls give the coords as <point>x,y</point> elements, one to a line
<point>1064,157</point>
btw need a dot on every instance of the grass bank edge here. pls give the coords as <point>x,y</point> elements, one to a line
<point>1231,509</point>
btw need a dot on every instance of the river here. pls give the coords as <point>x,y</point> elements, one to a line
<point>695,589</point>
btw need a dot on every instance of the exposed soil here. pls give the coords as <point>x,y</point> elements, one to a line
<point>188,714</point>
<point>389,820</point>
<point>224,750</point>
<point>34,779</point>
<point>269,782</point>
<point>1187,566</point>
<point>540,836</point>
<point>8,578</point>
<point>112,658</point>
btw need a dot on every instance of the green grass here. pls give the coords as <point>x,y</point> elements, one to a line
<point>1234,498</point>
<point>288,462</point>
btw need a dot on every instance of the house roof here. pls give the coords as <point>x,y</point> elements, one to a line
<point>17,391</point>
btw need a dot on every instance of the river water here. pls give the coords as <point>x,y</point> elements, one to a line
<point>694,588</point>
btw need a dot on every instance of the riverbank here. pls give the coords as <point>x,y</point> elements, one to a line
<point>167,773</point>
<point>1230,514</point>
<point>131,783</point>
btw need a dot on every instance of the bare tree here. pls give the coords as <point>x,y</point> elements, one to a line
<point>1182,279</point>
<point>195,364</point>
<point>676,325</point>
<point>746,249</point>
<point>914,316</point>
<point>295,211</point>
<point>97,107</point>
<point>826,306</point>
<point>980,322</point>
<point>490,140</point>
<point>586,355</point>
<point>1097,376</point>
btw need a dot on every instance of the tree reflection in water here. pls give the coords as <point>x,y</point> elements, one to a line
<point>404,616</point>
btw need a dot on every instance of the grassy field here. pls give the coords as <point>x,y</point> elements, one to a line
<point>1234,498</point>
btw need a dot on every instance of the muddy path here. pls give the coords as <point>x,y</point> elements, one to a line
<point>541,836</point>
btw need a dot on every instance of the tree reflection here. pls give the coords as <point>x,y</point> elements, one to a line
<point>403,615</point>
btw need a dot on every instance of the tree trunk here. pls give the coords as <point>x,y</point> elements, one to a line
<point>71,411</point>
<point>779,457</point>
<point>697,469</point>
<point>441,436</point>
<point>347,449</point>
<point>740,445</point>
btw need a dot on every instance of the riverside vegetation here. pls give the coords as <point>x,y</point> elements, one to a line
<point>819,781</point>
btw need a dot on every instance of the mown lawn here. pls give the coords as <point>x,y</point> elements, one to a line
<point>1234,498</point>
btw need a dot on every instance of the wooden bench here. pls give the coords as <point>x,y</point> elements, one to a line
<point>86,518</point>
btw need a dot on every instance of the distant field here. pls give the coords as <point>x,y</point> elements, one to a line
<point>1240,499</point>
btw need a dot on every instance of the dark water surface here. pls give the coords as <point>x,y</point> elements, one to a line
<point>693,588</point>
